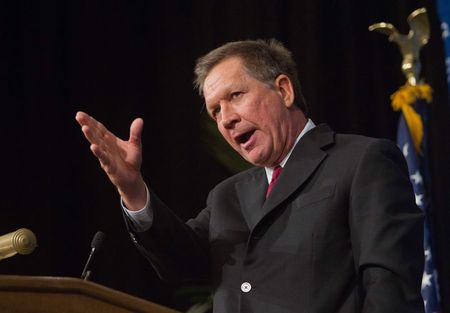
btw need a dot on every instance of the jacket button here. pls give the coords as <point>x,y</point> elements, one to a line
<point>246,287</point>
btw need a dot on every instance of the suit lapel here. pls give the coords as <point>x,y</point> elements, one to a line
<point>251,194</point>
<point>305,158</point>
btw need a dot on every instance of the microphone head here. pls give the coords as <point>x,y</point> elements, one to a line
<point>97,240</point>
<point>95,244</point>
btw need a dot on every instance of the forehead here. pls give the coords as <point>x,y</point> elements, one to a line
<point>224,76</point>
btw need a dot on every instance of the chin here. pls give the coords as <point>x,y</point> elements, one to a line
<point>255,156</point>
<point>255,161</point>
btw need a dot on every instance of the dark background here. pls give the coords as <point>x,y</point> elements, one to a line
<point>118,60</point>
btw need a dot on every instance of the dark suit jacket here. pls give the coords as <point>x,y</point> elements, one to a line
<point>340,232</point>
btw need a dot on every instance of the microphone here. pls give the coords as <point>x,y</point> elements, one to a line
<point>21,241</point>
<point>95,245</point>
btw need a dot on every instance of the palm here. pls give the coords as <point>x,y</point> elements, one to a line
<point>126,160</point>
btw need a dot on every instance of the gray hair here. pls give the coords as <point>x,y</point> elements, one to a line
<point>264,60</point>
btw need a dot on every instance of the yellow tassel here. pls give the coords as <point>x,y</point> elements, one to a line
<point>403,99</point>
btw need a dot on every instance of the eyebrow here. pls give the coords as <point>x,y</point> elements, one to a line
<point>229,87</point>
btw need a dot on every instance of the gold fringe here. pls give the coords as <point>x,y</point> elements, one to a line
<point>403,99</point>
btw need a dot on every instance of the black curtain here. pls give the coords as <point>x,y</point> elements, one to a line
<point>121,59</point>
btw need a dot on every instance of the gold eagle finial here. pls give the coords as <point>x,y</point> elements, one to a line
<point>409,44</point>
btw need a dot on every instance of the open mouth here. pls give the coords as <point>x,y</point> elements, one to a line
<point>242,139</point>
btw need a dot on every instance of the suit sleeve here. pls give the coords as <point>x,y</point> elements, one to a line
<point>177,251</point>
<point>386,231</point>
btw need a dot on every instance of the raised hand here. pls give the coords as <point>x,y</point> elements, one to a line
<point>121,160</point>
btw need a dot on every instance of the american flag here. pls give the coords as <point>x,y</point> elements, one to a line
<point>417,160</point>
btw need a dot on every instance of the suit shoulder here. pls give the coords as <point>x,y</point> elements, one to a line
<point>324,136</point>
<point>364,142</point>
<point>230,181</point>
<point>360,139</point>
<point>355,148</point>
<point>370,149</point>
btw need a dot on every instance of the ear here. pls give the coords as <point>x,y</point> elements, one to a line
<point>284,86</point>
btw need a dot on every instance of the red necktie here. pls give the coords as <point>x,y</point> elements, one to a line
<point>275,174</point>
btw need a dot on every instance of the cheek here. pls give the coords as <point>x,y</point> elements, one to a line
<point>225,134</point>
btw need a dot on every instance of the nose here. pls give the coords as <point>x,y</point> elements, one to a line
<point>229,116</point>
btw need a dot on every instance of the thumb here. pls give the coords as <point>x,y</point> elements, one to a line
<point>136,129</point>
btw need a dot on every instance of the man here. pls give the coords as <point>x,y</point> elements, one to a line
<point>336,231</point>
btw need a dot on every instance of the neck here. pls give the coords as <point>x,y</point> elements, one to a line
<point>297,123</point>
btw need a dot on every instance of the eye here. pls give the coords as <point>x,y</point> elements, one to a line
<point>236,94</point>
<point>215,111</point>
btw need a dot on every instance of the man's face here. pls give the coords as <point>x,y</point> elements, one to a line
<point>253,117</point>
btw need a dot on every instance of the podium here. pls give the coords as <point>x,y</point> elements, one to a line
<point>36,294</point>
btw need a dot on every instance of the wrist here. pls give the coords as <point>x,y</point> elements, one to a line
<point>135,195</point>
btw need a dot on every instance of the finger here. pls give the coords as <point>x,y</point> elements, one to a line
<point>106,162</point>
<point>83,118</point>
<point>101,154</point>
<point>94,131</point>
<point>97,128</point>
<point>105,159</point>
<point>136,129</point>
<point>91,135</point>
<point>80,117</point>
<point>87,121</point>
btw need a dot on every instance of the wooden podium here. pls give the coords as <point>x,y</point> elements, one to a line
<point>35,294</point>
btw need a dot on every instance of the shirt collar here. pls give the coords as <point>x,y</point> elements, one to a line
<point>309,125</point>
